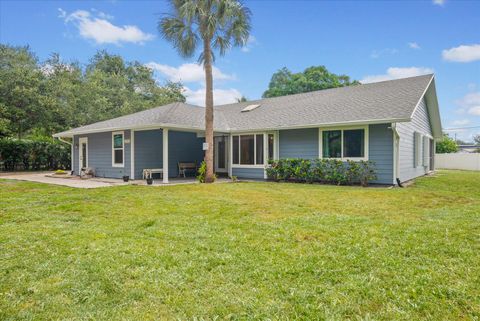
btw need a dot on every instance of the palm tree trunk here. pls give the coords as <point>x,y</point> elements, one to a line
<point>208,110</point>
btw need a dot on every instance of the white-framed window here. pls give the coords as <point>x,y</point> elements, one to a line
<point>118,149</point>
<point>248,150</point>
<point>344,143</point>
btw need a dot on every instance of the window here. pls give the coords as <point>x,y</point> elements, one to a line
<point>247,149</point>
<point>270,146</point>
<point>332,144</point>
<point>353,143</point>
<point>344,143</point>
<point>236,146</point>
<point>259,149</point>
<point>117,149</point>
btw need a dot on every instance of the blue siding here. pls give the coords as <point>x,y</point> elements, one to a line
<point>420,123</point>
<point>380,151</point>
<point>298,143</point>
<point>100,155</point>
<point>251,173</point>
<point>148,150</point>
<point>182,146</point>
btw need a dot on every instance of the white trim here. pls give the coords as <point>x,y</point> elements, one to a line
<point>265,154</point>
<point>248,166</point>
<point>123,149</point>
<point>198,129</point>
<point>254,165</point>
<point>165,154</point>
<point>230,150</point>
<point>365,143</point>
<point>421,97</point>
<point>276,145</point>
<point>82,140</point>
<point>132,154</point>
<point>396,153</point>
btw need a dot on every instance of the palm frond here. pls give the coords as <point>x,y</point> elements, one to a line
<point>180,34</point>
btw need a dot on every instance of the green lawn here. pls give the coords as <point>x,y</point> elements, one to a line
<point>242,251</point>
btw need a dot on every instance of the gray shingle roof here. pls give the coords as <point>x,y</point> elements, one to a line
<point>393,100</point>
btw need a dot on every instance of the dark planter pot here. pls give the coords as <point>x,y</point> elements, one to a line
<point>126,178</point>
<point>149,181</point>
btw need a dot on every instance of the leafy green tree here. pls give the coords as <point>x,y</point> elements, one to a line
<point>114,87</point>
<point>284,82</point>
<point>242,99</point>
<point>38,99</point>
<point>213,25</point>
<point>20,90</point>
<point>446,145</point>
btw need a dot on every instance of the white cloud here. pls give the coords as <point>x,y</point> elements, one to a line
<point>195,74</point>
<point>220,96</point>
<point>95,26</point>
<point>470,103</point>
<point>396,73</point>
<point>413,45</point>
<point>440,3</point>
<point>188,73</point>
<point>463,53</point>
<point>461,122</point>
<point>387,51</point>
<point>251,42</point>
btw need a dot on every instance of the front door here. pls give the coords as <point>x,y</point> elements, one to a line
<point>221,154</point>
<point>83,152</point>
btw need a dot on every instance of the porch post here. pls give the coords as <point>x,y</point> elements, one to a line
<point>165,154</point>
<point>132,154</point>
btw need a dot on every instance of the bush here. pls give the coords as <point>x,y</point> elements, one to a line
<point>331,171</point>
<point>202,172</point>
<point>37,154</point>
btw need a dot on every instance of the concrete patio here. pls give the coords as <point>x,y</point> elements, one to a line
<point>96,182</point>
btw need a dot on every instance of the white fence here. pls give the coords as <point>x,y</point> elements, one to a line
<point>469,161</point>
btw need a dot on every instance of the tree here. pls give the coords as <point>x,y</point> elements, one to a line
<point>20,90</point>
<point>284,82</point>
<point>446,145</point>
<point>242,99</point>
<point>38,99</point>
<point>476,139</point>
<point>217,24</point>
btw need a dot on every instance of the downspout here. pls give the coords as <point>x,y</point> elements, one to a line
<point>396,143</point>
<point>71,152</point>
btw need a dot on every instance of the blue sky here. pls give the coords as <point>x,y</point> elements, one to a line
<point>368,41</point>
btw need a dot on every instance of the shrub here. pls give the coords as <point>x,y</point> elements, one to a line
<point>35,154</point>
<point>331,171</point>
<point>202,171</point>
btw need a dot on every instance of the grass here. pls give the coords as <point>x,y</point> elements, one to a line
<point>242,251</point>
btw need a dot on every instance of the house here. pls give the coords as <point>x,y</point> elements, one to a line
<point>392,123</point>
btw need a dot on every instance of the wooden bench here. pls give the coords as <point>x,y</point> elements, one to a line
<point>183,167</point>
<point>148,172</point>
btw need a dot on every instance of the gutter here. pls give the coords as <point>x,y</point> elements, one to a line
<point>71,151</point>
<point>396,150</point>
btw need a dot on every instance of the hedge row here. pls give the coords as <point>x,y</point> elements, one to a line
<point>330,171</point>
<point>37,154</point>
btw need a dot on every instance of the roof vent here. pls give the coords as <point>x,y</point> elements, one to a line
<point>249,108</point>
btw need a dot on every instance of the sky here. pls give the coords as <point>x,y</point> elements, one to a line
<point>367,40</point>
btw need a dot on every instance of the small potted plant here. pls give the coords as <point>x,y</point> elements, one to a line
<point>126,178</point>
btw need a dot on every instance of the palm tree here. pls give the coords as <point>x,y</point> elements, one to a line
<point>215,24</point>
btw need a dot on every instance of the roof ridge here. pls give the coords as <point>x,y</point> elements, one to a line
<point>322,90</point>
